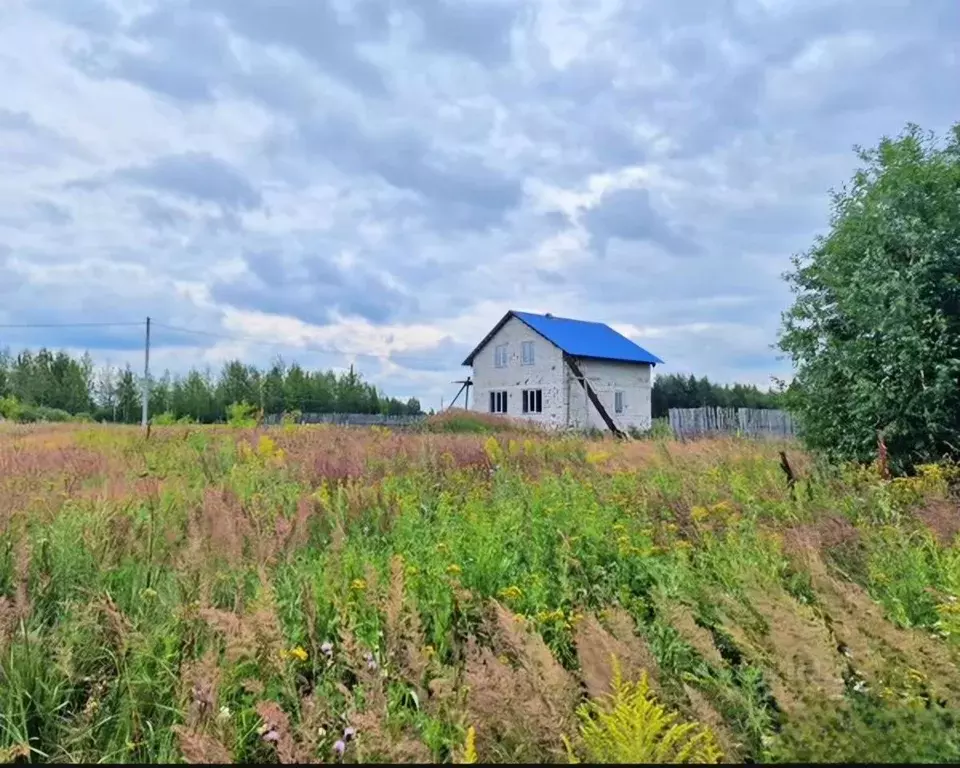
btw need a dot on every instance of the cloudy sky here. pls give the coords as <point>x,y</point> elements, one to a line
<point>378,181</point>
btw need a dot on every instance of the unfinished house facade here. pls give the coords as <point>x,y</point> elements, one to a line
<point>562,373</point>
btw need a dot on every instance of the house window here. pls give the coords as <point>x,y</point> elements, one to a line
<point>533,401</point>
<point>618,402</point>
<point>528,353</point>
<point>498,402</point>
<point>500,356</point>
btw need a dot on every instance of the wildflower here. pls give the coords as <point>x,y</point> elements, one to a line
<point>271,736</point>
<point>511,593</point>
<point>327,649</point>
<point>358,585</point>
<point>349,732</point>
<point>299,653</point>
<point>339,747</point>
<point>371,662</point>
<point>453,569</point>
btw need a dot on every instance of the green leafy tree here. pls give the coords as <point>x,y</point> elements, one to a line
<point>874,331</point>
<point>676,391</point>
<point>128,397</point>
<point>5,368</point>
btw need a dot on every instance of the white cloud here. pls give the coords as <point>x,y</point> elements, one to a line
<point>389,184</point>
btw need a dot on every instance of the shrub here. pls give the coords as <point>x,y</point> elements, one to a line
<point>629,726</point>
<point>168,419</point>
<point>868,732</point>
<point>28,414</point>
<point>241,415</point>
<point>10,408</point>
<point>464,422</point>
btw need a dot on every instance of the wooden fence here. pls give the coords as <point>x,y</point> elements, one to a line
<point>755,422</point>
<point>350,419</point>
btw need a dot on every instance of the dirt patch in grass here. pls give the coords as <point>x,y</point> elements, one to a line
<point>824,535</point>
<point>942,518</point>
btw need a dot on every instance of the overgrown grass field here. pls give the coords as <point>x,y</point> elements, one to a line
<point>324,594</point>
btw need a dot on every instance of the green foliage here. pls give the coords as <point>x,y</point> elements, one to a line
<point>59,381</point>
<point>659,430</point>
<point>459,421</point>
<point>169,419</point>
<point>52,380</point>
<point>272,565</point>
<point>874,332</point>
<point>291,418</point>
<point>9,408</point>
<point>241,415</point>
<point>630,726</point>
<point>13,410</point>
<point>867,732</point>
<point>676,391</point>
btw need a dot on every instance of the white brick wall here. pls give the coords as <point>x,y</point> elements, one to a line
<point>545,374</point>
<point>607,377</point>
<point>564,401</point>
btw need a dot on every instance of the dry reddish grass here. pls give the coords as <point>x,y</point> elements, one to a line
<point>702,711</point>
<point>821,536</point>
<point>200,688</point>
<point>519,697</point>
<point>877,648</point>
<point>200,748</point>
<point>801,649</point>
<point>596,650</point>
<point>942,518</point>
<point>405,641</point>
<point>680,617</point>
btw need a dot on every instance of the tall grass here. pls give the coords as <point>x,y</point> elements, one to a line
<point>321,593</point>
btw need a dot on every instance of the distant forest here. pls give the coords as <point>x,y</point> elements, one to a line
<point>676,391</point>
<point>54,385</point>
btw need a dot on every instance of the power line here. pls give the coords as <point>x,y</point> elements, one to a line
<point>70,325</point>
<point>303,347</point>
<point>317,349</point>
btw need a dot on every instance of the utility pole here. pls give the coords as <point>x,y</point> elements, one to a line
<point>466,383</point>
<point>146,378</point>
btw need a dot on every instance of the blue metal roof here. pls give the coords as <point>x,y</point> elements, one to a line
<point>578,338</point>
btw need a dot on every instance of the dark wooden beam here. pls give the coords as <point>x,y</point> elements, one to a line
<point>578,375</point>
<point>466,386</point>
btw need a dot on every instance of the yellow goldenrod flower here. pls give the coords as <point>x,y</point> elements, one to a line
<point>358,585</point>
<point>299,653</point>
<point>511,593</point>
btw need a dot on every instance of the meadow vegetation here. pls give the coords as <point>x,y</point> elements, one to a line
<point>311,594</point>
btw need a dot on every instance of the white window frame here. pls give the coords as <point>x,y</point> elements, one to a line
<point>498,401</point>
<point>528,354</point>
<point>533,401</point>
<point>500,356</point>
<point>618,401</point>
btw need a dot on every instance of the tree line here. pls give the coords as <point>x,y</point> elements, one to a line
<point>55,386</point>
<point>678,391</point>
